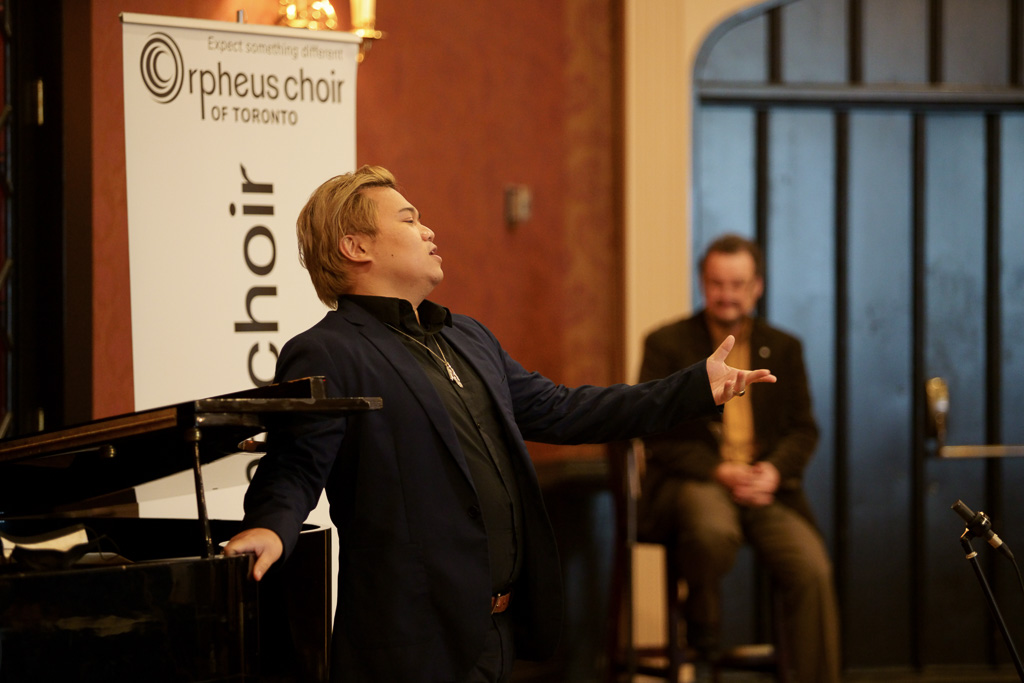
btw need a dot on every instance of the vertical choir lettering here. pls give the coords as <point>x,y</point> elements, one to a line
<point>257,201</point>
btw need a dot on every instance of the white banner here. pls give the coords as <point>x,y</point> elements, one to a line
<point>228,129</point>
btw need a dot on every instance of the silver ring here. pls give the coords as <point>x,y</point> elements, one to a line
<point>740,393</point>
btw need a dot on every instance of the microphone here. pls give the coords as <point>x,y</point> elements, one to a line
<point>980,526</point>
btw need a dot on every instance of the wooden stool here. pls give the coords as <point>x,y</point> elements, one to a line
<point>625,659</point>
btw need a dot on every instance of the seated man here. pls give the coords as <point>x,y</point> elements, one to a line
<point>713,484</point>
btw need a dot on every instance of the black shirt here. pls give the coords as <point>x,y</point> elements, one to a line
<point>476,422</point>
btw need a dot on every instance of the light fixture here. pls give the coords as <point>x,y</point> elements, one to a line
<point>364,16</point>
<point>320,15</point>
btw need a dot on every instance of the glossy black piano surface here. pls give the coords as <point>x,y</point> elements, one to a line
<point>173,609</point>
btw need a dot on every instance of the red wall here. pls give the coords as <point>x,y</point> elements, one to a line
<point>460,99</point>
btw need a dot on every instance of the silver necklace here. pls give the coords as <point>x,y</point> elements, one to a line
<point>441,359</point>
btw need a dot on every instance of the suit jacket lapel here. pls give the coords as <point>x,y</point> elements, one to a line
<point>475,354</point>
<point>408,368</point>
<point>760,357</point>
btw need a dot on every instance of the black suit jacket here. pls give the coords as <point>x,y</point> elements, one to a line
<point>413,579</point>
<point>784,425</point>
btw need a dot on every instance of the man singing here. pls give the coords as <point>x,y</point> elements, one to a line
<point>447,565</point>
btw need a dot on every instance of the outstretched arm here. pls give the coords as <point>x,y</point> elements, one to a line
<point>727,381</point>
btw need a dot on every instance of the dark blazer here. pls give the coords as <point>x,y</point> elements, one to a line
<point>413,580</point>
<point>784,425</point>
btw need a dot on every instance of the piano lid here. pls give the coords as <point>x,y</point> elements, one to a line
<point>43,473</point>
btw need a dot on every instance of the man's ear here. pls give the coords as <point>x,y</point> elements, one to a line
<point>355,247</point>
<point>758,288</point>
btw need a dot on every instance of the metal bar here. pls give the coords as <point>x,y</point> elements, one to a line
<point>774,44</point>
<point>935,45</point>
<point>993,270</point>
<point>993,336</point>
<point>762,180</point>
<point>917,474</point>
<point>193,436</point>
<point>1015,42</point>
<point>982,451</point>
<point>855,46</point>
<point>840,411</point>
<point>862,95</point>
<point>997,616</point>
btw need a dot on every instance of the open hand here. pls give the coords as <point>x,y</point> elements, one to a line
<point>727,381</point>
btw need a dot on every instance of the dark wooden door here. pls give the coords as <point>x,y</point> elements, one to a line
<point>875,148</point>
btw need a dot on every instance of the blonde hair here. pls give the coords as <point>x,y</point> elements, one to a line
<point>335,209</point>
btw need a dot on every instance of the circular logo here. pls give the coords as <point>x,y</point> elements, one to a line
<point>162,68</point>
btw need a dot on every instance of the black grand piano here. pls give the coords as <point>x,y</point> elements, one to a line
<point>151,599</point>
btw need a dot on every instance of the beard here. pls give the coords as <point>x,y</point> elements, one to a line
<point>726,314</point>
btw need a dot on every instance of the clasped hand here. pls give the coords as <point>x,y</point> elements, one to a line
<point>750,485</point>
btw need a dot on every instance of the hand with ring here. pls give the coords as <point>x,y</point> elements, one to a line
<point>725,379</point>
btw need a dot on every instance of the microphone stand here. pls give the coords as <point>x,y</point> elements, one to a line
<point>972,557</point>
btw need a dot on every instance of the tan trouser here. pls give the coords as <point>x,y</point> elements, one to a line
<point>710,531</point>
